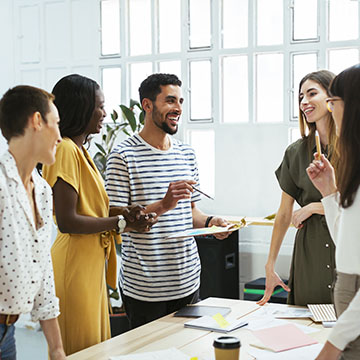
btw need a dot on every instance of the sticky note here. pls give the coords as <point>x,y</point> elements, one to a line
<point>220,320</point>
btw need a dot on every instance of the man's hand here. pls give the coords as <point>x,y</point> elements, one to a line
<point>272,280</point>
<point>177,190</point>
<point>218,221</point>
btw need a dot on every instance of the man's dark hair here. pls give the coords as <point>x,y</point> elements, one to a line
<point>18,104</point>
<point>75,100</point>
<point>150,87</point>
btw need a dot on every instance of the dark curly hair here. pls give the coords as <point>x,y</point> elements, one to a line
<point>150,87</point>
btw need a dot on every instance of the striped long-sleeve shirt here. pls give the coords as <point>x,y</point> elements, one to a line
<point>155,268</point>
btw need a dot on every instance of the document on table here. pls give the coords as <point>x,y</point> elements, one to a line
<point>172,353</point>
<point>210,324</point>
<point>207,230</point>
<point>283,337</point>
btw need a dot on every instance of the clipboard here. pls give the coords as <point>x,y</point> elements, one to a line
<point>233,226</point>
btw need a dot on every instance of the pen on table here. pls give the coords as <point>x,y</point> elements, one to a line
<point>201,192</point>
<point>318,145</point>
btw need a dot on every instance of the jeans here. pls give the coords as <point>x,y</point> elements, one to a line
<point>7,342</point>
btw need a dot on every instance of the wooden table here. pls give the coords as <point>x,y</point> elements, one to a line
<point>169,331</point>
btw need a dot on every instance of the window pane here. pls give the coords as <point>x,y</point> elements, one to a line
<point>302,65</point>
<point>138,73</point>
<point>203,142</point>
<point>305,13</point>
<point>270,91</point>
<point>200,90</point>
<point>171,67</point>
<point>140,26</point>
<point>294,134</point>
<point>343,20</point>
<point>235,89</point>
<point>340,59</point>
<point>200,23</point>
<point>110,27</point>
<point>111,85</point>
<point>269,22</point>
<point>235,23</point>
<point>169,41</point>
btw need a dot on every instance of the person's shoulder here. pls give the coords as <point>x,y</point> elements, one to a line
<point>130,143</point>
<point>67,145</point>
<point>297,146</point>
<point>177,144</point>
<point>40,181</point>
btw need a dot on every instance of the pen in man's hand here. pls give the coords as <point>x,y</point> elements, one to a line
<point>201,192</point>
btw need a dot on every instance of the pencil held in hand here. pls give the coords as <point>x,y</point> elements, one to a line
<point>318,145</point>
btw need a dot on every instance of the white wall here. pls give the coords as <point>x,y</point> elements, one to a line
<point>43,40</point>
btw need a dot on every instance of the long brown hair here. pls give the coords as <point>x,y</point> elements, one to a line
<point>347,86</point>
<point>323,78</point>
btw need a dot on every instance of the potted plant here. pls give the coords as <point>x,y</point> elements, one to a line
<point>131,122</point>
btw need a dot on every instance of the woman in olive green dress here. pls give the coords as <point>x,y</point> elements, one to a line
<point>313,259</point>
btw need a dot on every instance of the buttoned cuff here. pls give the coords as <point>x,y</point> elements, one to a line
<point>47,312</point>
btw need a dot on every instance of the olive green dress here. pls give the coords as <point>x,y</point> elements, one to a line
<point>313,260</point>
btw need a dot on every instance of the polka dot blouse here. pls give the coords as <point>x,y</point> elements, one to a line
<point>26,275</point>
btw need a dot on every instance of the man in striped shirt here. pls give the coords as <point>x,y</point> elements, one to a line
<point>158,275</point>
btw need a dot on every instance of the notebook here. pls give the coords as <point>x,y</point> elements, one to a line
<point>322,312</point>
<point>201,310</point>
<point>210,324</point>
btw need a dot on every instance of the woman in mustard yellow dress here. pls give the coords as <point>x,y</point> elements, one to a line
<point>84,246</point>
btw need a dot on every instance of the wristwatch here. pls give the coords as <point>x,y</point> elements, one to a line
<point>121,224</point>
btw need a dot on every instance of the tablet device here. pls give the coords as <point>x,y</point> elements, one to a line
<point>201,310</point>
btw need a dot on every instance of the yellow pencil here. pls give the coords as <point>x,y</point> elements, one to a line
<point>318,145</point>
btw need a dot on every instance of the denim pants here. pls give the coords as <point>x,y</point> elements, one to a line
<point>7,342</point>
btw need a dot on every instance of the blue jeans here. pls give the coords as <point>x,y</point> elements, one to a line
<point>7,342</point>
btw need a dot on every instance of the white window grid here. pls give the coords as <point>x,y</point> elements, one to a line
<point>215,52</point>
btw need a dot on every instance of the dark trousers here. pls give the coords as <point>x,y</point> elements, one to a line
<point>142,312</point>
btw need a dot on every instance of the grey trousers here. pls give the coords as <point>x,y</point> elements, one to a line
<point>346,287</point>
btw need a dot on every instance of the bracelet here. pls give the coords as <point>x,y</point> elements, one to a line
<point>208,221</point>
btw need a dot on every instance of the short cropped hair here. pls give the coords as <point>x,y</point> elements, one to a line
<point>18,104</point>
<point>150,87</point>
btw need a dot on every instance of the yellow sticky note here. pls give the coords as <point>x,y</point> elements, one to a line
<point>194,358</point>
<point>220,320</point>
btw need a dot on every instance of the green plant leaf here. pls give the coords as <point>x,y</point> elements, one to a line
<point>129,115</point>
<point>141,118</point>
<point>114,116</point>
<point>102,150</point>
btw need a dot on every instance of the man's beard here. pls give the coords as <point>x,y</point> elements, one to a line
<point>162,125</point>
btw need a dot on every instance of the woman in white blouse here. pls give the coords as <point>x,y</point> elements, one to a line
<point>341,200</point>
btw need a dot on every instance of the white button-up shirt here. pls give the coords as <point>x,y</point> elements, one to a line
<point>26,273</point>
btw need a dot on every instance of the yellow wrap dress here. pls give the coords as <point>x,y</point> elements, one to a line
<point>79,260</point>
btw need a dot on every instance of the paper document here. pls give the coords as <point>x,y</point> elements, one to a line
<point>206,231</point>
<point>172,353</point>
<point>286,312</point>
<point>283,337</point>
<point>210,324</point>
